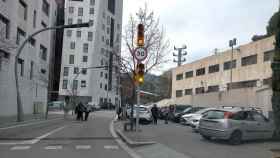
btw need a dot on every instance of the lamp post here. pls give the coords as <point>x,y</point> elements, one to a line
<point>19,102</point>
<point>232,43</point>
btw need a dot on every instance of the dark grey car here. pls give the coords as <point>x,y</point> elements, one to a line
<point>235,125</point>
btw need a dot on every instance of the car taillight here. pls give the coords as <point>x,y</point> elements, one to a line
<point>228,115</point>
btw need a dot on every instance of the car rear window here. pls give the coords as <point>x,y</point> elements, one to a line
<point>215,114</point>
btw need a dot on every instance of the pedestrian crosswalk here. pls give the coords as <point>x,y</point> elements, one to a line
<point>60,147</point>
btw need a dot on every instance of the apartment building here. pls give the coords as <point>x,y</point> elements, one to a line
<point>216,81</point>
<point>19,19</point>
<point>85,48</point>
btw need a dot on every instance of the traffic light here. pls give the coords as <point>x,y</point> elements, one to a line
<point>139,77</point>
<point>140,35</point>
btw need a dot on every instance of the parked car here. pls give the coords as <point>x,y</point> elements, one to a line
<point>145,115</point>
<point>175,115</point>
<point>189,111</point>
<point>55,105</point>
<point>235,125</point>
<point>188,118</point>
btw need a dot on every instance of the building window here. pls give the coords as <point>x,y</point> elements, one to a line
<point>22,10</point>
<point>189,74</point>
<point>44,25</point>
<point>85,58</point>
<point>90,36</point>
<point>43,71</point>
<point>91,22</point>
<point>103,39</point>
<point>46,7</point>
<point>72,45</point>
<point>92,2</point>
<point>4,26</point>
<point>101,74</point>
<point>105,87</point>
<point>3,56</point>
<point>108,20</point>
<point>199,90</point>
<point>21,66</point>
<point>268,55</point>
<point>75,84</point>
<point>214,88</point>
<point>20,35</point>
<point>71,59</point>
<point>79,33</point>
<point>107,42</point>
<point>179,77</point>
<point>84,71</point>
<point>71,10</point>
<point>79,21</point>
<point>188,91</point>
<point>106,76</point>
<point>267,81</point>
<point>103,27</point>
<point>76,70</point>
<point>200,72</point>
<point>85,47</point>
<point>100,85</point>
<point>179,93</point>
<point>91,10</point>
<point>83,84</point>
<point>80,11</point>
<point>70,21</point>
<point>227,65</point>
<point>32,41</point>
<point>101,62</point>
<point>214,68</point>
<point>69,33</point>
<point>108,30</point>
<point>43,53</point>
<point>64,84</point>
<point>243,84</point>
<point>31,70</point>
<point>34,18</point>
<point>65,71</point>
<point>249,60</point>
<point>111,6</point>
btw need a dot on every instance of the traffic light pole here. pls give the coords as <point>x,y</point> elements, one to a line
<point>137,108</point>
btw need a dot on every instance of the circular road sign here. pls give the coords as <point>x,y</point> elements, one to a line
<point>140,53</point>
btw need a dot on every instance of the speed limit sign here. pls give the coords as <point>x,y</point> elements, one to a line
<point>140,54</point>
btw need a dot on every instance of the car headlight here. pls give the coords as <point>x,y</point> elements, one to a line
<point>195,120</point>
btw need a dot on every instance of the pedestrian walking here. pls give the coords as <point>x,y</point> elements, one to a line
<point>154,111</point>
<point>119,112</point>
<point>79,111</point>
<point>87,111</point>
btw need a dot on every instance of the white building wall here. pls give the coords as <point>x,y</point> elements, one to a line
<point>35,89</point>
<point>93,78</point>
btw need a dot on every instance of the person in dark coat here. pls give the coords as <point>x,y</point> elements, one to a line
<point>79,110</point>
<point>87,110</point>
<point>155,111</point>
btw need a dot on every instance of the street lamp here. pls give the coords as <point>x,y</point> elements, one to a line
<point>232,43</point>
<point>19,102</point>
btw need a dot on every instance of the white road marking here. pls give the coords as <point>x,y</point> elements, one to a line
<point>28,124</point>
<point>83,147</point>
<point>33,141</point>
<point>20,148</point>
<point>58,147</point>
<point>112,147</point>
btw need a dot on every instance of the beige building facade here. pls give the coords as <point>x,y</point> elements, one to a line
<point>212,81</point>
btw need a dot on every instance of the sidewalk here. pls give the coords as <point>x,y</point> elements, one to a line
<point>12,120</point>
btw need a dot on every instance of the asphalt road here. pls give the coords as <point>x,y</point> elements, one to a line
<point>62,138</point>
<point>183,140</point>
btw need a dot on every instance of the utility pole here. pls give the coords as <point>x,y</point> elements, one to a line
<point>232,43</point>
<point>180,55</point>
<point>19,101</point>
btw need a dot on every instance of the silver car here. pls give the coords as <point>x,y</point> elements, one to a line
<point>235,125</point>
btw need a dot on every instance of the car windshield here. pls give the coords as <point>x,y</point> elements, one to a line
<point>139,78</point>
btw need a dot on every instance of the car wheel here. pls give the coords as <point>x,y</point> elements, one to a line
<point>235,138</point>
<point>206,137</point>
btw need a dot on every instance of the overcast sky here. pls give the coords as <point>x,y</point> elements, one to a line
<point>204,25</point>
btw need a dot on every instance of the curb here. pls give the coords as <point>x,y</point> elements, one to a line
<point>121,143</point>
<point>133,143</point>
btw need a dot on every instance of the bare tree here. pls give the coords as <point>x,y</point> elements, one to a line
<point>155,42</point>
